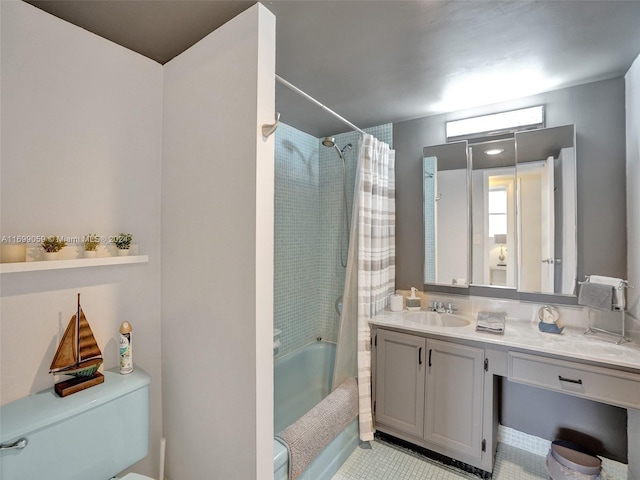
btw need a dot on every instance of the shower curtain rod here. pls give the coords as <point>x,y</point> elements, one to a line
<point>316,102</point>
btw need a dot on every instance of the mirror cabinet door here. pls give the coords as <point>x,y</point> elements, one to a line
<point>446,227</point>
<point>547,210</point>
<point>493,186</point>
<point>520,196</point>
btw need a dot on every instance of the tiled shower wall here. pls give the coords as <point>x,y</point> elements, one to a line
<point>298,249</point>
<point>309,218</point>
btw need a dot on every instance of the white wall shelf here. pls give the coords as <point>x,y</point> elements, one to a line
<point>74,263</point>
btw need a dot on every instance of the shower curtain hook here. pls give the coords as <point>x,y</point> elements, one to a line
<point>268,129</point>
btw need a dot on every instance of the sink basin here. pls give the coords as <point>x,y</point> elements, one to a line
<point>434,319</point>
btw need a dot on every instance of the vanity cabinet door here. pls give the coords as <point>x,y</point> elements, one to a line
<point>400,380</point>
<point>454,397</point>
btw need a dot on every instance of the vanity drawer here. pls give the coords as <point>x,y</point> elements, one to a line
<point>605,385</point>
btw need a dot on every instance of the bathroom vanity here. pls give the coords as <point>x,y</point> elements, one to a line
<point>436,385</point>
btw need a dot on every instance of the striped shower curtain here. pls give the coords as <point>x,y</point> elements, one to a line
<point>376,256</point>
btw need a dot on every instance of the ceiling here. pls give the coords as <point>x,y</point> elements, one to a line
<point>375,62</point>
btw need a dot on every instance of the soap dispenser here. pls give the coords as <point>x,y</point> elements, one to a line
<point>413,301</point>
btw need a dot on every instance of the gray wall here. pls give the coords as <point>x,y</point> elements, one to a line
<point>552,415</point>
<point>633,224</point>
<point>598,112</point>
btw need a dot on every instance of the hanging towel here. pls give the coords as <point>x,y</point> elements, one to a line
<point>307,437</point>
<point>619,302</point>
<point>596,295</point>
<point>491,322</point>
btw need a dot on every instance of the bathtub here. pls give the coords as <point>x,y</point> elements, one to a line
<point>301,380</point>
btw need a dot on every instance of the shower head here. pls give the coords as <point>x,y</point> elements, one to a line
<point>329,141</point>
<point>346,148</point>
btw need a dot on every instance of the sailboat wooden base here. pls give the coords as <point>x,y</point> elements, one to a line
<point>77,384</point>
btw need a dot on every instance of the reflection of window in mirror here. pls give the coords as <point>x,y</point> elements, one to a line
<point>497,211</point>
<point>499,228</point>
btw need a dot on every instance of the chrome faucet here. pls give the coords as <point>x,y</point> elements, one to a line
<point>438,307</point>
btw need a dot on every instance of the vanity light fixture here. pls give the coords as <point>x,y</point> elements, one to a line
<point>496,124</point>
<point>494,151</point>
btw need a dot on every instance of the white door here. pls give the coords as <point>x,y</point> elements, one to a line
<point>548,228</point>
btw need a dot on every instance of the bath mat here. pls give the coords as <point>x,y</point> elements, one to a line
<point>307,437</point>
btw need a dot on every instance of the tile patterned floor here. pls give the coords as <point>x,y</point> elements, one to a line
<point>384,461</point>
<point>389,462</point>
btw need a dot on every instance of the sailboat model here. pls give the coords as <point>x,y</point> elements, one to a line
<point>79,355</point>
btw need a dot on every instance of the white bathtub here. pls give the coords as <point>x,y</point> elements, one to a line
<point>301,380</point>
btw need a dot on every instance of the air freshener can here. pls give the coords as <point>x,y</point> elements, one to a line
<point>126,354</point>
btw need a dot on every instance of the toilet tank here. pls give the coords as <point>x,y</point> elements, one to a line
<point>90,435</point>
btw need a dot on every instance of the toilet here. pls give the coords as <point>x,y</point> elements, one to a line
<point>90,435</point>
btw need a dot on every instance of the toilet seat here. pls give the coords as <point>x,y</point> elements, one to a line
<point>135,476</point>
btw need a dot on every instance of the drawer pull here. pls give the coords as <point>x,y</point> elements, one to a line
<point>570,380</point>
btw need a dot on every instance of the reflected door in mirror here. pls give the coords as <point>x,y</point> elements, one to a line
<point>546,203</point>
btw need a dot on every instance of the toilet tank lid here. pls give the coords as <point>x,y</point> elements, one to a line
<point>44,408</point>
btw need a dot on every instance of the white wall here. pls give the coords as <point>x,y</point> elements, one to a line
<point>632,90</point>
<point>81,152</point>
<point>217,253</point>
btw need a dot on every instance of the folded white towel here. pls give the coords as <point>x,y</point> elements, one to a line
<point>499,329</point>
<point>491,322</point>
<point>619,301</point>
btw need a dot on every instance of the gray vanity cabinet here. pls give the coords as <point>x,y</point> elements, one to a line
<point>430,392</point>
<point>454,398</point>
<point>400,380</point>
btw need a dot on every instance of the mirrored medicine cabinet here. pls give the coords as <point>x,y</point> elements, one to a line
<point>502,213</point>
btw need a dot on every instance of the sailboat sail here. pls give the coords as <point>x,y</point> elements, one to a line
<point>66,353</point>
<point>78,353</point>
<point>88,345</point>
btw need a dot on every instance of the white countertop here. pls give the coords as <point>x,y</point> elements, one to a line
<point>525,335</point>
